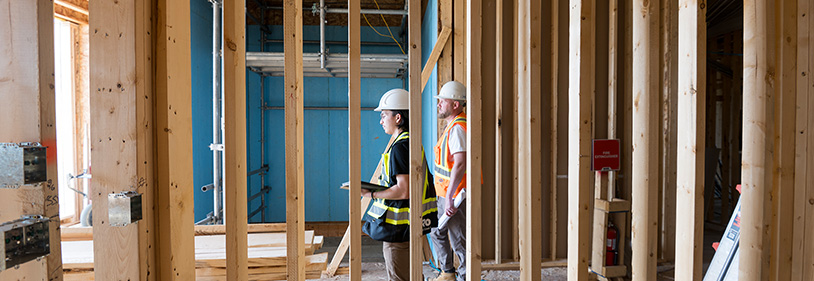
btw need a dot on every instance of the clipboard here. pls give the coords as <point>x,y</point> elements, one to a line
<point>366,185</point>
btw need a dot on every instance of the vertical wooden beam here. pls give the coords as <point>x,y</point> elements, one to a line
<point>48,133</point>
<point>669,91</point>
<point>173,113</point>
<point>145,97</point>
<point>580,95</point>
<point>691,142</point>
<point>234,141</point>
<point>500,64</point>
<point>354,135</point>
<point>554,35</point>
<point>802,244</point>
<point>644,171</point>
<point>459,40</point>
<point>114,149</point>
<point>27,45</point>
<point>446,62</point>
<point>475,76</point>
<point>783,174</point>
<point>416,160</point>
<point>504,143</point>
<point>295,189</point>
<point>529,113</point>
<point>758,77</point>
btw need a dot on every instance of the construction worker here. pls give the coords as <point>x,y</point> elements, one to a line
<point>450,179</point>
<point>388,218</point>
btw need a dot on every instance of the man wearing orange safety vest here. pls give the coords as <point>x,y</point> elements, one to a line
<point>450,179</point>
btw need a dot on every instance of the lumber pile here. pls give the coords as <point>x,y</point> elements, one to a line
<point>267,257</point>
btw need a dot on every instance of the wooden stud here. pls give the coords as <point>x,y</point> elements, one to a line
<point>783,176</point>
<point>505,121</point>
<point>580,94</point>
<point>234,77</point>
<point>691,143</point>
<point>27,42</point>
<point>554,24</point>
<point>145,140</point>
<point>475,76</point>
<point>669,107</point>
<point>758,74</point>
<point>173,117</point>
<point>417,165</point>
<point>644,171</point>
<point>802,217</point>
<point>354,135</point>
<point>529,116</point>
<point>446,60</point>
<point>295,189</point>
<point>459,41</point>
<point>112,62</point>
<point>443,37</point>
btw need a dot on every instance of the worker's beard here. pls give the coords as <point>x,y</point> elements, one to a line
<point>443,115</point>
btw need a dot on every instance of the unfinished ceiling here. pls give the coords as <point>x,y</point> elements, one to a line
<point>274,12</point>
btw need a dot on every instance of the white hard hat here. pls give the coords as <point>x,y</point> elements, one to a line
<point>452,90</point>
<point>395,99</point>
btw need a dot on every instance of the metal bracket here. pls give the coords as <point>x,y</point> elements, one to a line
<point>216,146</point>
<point>123,208</point>
<point>22,164</point>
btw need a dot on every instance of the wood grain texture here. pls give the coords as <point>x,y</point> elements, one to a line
<point>234,141</point>
<point>529,152</point>
<point>801,262</point>
<point>691,143</point>
<point>581,88</point>
<point>354,135</point>
<point>758,87</point>
<point>416,160</point>
<point>173,119</point>
<point>145,107</point>
<point>476,77</point>
<point>114,133</point>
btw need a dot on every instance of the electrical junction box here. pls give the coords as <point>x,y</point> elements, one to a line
<point>24,240</point>
<point>123,208</point>
<point>22,164</point>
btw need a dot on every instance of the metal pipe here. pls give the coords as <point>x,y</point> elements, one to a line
<point>216,167</point>
<point>369,11</point>
<point>222,171</point>
<point>389,43</point>
<point>322,33</point>
<point>314,108</point>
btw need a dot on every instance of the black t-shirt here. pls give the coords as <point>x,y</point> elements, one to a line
<point>399,160</point>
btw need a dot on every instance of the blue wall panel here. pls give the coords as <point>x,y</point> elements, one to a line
<point>326,131</point>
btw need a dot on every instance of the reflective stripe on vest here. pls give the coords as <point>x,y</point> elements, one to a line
<point>443,162</point>
<point>399,215</point>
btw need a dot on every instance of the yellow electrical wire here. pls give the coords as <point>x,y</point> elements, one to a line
<point>385,24</point>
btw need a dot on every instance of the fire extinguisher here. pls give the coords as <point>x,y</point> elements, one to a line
<point>612,248</point>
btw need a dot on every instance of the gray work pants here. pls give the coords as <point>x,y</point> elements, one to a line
<point>451,238</point>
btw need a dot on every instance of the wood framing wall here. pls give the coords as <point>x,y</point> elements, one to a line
<point>28,40</point>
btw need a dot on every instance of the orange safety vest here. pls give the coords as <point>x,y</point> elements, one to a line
<point>444,161</point>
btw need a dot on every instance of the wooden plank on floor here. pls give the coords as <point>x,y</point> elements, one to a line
<point>416,152</point>
<point>114,148</point>
<point>529,152</point>
<point>644,173</point>
<point>476,76</point>
<point>173,113</point>
<point>691,142</point>
<point>580,95</point>
<point>354,135</point>
<point>758,64</point>
<point>234,141</point>
<point>295,188</point>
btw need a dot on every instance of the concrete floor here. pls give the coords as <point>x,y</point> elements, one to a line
<point>373,261</point>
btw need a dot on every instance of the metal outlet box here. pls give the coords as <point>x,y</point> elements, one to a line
<point>123,208</point>
<point>22,164</point>
<point>24,240</point>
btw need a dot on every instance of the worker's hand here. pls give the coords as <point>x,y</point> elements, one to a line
<point>451,210</point>
<point>366,193</point>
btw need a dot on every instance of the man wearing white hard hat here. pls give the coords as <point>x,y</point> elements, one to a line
<point>388,218</point>
<point>450,179</point>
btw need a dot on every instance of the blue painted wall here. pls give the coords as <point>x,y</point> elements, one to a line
<point>326,133</point>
